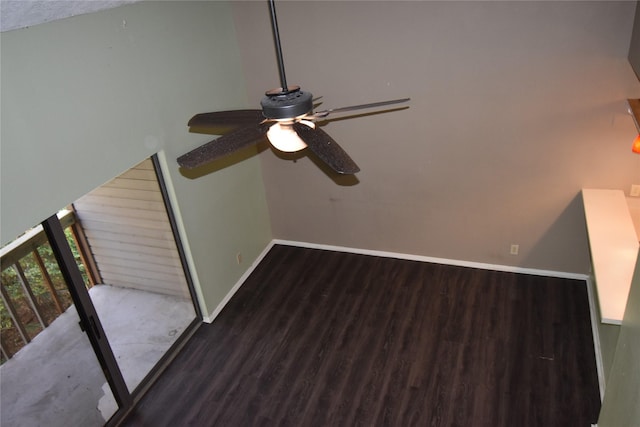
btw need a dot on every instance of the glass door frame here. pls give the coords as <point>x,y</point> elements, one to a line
<point>90,321</point>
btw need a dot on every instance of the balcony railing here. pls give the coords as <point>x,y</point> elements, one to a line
<point>33,291</point>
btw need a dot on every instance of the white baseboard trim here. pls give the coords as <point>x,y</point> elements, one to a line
<point>210,318</point>
<point>434,260</point>
<point>596,335</point>
<point>495,267</point>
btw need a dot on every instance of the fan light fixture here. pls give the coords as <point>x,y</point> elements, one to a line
<point>283,137</point>
<point>636,145</point>
<point>634,110</point>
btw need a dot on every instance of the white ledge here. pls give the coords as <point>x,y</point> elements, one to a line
<point>614,249</point>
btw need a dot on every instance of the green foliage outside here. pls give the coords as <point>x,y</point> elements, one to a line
<point>11,283</point>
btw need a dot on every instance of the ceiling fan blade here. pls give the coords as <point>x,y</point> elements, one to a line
<point>223,146</point>
<point>326,149</point>
<point>226,119</point>
<point>325,113</point>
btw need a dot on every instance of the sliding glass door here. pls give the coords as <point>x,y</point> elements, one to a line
<point>52,373</point>
<point>142,294</point>
<point>103,285</point>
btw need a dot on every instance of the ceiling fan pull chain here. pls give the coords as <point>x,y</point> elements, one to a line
<point>276,38</point>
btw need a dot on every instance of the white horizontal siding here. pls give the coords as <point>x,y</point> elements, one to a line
<point>109,239</point>
<point>127,193</point>
<point>140,265</point>
<point>128,229</point>
<point>92,200</point>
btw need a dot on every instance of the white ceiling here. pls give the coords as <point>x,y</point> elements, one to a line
<point>15,14</point>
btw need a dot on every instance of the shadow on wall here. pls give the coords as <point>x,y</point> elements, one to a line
<point>554,245</point>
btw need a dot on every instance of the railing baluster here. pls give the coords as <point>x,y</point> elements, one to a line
<point>29,294</point>
<point>13,253</point>
<point>6,299</point>
<point>3,350</point>
<point>84,250</point>
<point>48,281</point>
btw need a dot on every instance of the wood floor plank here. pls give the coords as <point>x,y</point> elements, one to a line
<point>319,338</point>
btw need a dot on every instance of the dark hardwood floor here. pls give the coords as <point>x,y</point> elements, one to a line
<point>319,338</point>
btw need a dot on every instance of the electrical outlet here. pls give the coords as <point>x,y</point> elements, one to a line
<point>239,257</point>
<point>635,190</point>
<point>514,249</point>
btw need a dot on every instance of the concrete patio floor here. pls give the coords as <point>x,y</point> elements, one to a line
<point>56,379</point>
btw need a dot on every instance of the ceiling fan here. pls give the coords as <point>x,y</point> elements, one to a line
<point>286,118</point>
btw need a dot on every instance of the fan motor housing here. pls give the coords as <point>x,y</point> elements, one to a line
<point>279,104</point>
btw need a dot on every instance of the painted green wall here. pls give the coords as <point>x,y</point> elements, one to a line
<point>85,98</point>
<point>621,404</point>
<point>608,335</point>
